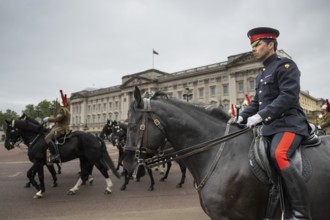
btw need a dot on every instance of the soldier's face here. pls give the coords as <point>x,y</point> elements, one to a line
<point>261,51</point>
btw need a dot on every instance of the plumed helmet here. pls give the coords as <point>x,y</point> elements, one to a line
<point>324,107</point>
<point>245,102</point>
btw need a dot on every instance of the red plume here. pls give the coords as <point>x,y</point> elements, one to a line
<point>247,99</point>
<point>64,99</point>
<point>328,105</point>
<point>233,112</point>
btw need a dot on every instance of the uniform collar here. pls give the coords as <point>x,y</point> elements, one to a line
<point>270,60</point>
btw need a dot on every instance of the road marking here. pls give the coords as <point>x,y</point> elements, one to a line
<point>14,162</point>
<point>15,174</point>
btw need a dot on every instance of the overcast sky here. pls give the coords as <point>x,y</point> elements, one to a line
<point>48,45</point>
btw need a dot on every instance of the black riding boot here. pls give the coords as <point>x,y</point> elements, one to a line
<point>55,156</point>
<point>296,190</point>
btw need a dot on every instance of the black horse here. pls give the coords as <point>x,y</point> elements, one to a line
<point>227,187</point>
<point>89,149</point>
<point>50,167</point>
<point>115,132</point>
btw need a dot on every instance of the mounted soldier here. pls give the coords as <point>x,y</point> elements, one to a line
<point>61,127</point>
<point>276,105</point>
<point>325,119</point>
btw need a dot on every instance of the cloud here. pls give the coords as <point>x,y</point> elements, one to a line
<point>71,45</point>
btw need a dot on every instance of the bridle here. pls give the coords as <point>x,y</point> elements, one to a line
<point>15,142</point>
<point>141,149</point>
<point>142,142</point>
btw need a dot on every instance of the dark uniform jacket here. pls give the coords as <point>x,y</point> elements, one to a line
<point>277,98</point>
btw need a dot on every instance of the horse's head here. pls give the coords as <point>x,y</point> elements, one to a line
<point>145,133</point>
<point>107,129</point>
<point>18,130</point>
<point>13,135</point>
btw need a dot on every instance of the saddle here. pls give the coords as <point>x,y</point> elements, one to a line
<point>259,157</point>
<point>61,139</point>
<point>265,172</point>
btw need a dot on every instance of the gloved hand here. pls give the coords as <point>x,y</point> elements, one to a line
<point>45,119</point>
<point>253,120</point>
<point>237,120</point>
<point>319,127</point>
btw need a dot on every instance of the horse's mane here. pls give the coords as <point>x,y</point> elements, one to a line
<point>27,125</point>
<point>214,112</point>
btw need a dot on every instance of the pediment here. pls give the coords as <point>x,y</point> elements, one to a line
<point>241,59</point>
<point>135,81</point>
<point>142,77</point>
<point>76,95</point>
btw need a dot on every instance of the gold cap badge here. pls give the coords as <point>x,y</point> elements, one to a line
<point>287,66</point>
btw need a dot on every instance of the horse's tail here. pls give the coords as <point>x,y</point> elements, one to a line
<point>107,159</point>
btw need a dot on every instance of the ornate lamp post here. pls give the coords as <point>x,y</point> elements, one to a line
<point>187,95</point>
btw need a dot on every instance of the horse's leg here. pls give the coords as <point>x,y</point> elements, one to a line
<point>151,188</point>
<point>127,178</point>
<point>53,173</point>
<point>183,169</point>
<point>169,165</point>
<point>40,170</point>
<point>59,168</point>
<point>84,172</point>
<point>28,174</point>
<point>90,177</point>
<point>104,172</point>
<point>162,170</point>
<point>119,157</point>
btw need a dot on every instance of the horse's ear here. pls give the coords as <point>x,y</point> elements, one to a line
<point>8,122</point>
<point>138,98</point>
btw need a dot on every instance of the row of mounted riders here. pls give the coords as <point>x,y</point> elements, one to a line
<point>30,131</point>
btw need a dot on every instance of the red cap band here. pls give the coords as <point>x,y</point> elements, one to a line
<point>260,36</point>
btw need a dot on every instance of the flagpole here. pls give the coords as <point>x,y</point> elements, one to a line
<point>153,54</point>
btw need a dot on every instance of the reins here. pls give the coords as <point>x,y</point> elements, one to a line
<point>176,155</point>
<point>195,149</point>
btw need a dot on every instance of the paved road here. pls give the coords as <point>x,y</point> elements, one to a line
<point>166,202</point>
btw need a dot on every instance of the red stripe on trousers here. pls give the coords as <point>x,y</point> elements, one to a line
<point>282,150</point>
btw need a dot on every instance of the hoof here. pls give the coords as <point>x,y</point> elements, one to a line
<point>107,192</point>
<point>179,186</point>
<point>71,192</point>
<point>28,185</point>
<point>38,195</point>
<point>151,189</point>
<point>162,180</point>
<point>123,188</point>
<point>54,185</point>
<point>91,181</point>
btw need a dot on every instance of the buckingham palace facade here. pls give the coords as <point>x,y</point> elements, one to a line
<point>217,85</point>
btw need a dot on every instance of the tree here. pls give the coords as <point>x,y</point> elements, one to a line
<point>8,115</point>
<point>43,109</point>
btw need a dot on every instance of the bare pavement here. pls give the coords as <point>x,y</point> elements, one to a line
<point>165,202</point>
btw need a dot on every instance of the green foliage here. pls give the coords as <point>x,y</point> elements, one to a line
<point>8,115</point>
<point>43,109</point>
